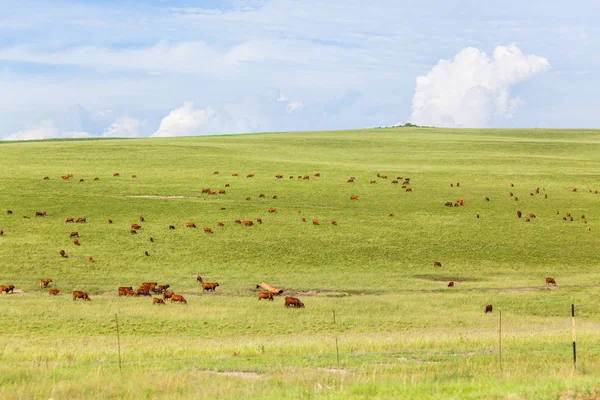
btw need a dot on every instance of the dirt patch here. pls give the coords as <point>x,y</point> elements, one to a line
<point>530,289</point>
<point>15,291</point>
<point>333,370</point>
<point>149,196</point>
<point>327,293</point>
<point>241,374</point>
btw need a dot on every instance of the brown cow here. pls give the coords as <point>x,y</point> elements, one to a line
<point>512,185</point>
<point>278,176</point>
<point>460,201</point>
<point>350,180</point>
<point>116,174</point>
<point>45,282</point>
<point>511,194</point>
<point>237,221</point>
<point>220,224</point>
<point>437,264</point>
<point>488,308</point>
<point>9,212</point>
<point>451,284</point>
<point>527,219</point>
<point>259,220</point>
<point>80,220</point>
<point>134,176</point>
<point>157,300</point>
<point>448,204</point>
<point>178,298</point>
<point>199,278</point>
<point>315,222</point>
<point>212,192</point>
<point>133,232</point>
<point>291,177</point>
<point>136,226</point>
<point>208,230</point>
<point>317,174</point>
<point>91,260</point>
<point>53,292</point>
<point>248,198</point>
<point>457,184</point>
<point>168,295</point>
<point>46,178</point>
<point>373,181</point>
<point>333,222</point>
<point>7,288</point>
<point>261,196</point>
<point>80,295</point>
<point>171,227</point>
<point>487,198</point>
<point>574,189</point>
<point>151,239</point>
<point>206,190</point>
<point>125,290</point>
<point>532,215</point>
<point>519,214</point>
<point>265,295</point>
<point>303,219</point>
<point>293,302</point>
<point>207,286</point>
<point>227,185</point>
<point>70,220</point>
<point>190,225</point>
<point>62,253</point>
<point>395,181</point>
<point>81,180</point>
<point>391,215</point>
<point>354,197</point>
<point>161,288</point>
<point>1,232</point>
<point>146,253</point>
<point>40,213</point>
<point>250,176</point>
<point>109,221</point>
<point>96,179</point>
<point>409,189</point>
<point>272,210</point>
<point>247,223</point>
<point>235,174</point>
<point>142,219</point>
<point>216,173</point>
<point>306,177</point>
<point>149,284</point>
<point>143,291</point>
<point>222,191</point>
<point>550,281</point>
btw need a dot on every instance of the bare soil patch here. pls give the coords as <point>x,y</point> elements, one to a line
<point>241,374</point>
<point>150,196</point>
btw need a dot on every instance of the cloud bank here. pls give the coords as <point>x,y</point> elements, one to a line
<point>473,89</point>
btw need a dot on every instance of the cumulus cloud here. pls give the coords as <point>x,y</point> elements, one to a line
<point>44,130</point>
<point>473,89</point>
<point>184,121</point>
<point>294,105</point>
<point>123,127</point>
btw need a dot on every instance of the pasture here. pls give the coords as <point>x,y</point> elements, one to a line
<point>401,331</point>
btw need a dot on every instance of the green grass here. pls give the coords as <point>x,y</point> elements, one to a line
<point>402,333</point>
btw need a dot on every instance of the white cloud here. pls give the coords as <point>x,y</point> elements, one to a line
<point>473,89</point>
<point>294,105</point>
<point>44,130</point>
<point>123,127</point>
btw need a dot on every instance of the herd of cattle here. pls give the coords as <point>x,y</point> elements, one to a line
<point>150,288</point>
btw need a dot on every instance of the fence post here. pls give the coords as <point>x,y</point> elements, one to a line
<point>574,339</point>
<point>118,343</point>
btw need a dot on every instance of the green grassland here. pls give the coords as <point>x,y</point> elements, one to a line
<point>401,332</point>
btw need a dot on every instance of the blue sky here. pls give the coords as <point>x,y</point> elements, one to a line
<point>166,68</point>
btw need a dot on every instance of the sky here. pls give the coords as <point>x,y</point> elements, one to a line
<point>133,68</point>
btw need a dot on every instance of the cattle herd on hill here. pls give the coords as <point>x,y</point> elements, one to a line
<point>153,288</point>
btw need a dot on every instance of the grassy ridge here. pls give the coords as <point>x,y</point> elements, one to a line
<point>402,332</point>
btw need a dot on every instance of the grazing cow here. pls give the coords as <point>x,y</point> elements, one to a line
<point>261,196</point>
<point>161,288</point>
<point>206,190</point>
<point>477,215</point>
<point>237,221</point>
<point>146,253</point>
<point>334,222</point>
<point>275,197</point>
<point>293,302</point>
<point>116,174</point>
<point>545,196</point>
<point>317,174</point>
<point>511,194</point>
<point>141,219</point>
<point>143,291</point>
<point>550,281</point>
<point>157,300</point>
<point>564,218</point>
<point>306,177</point>
<point>247,223</point>
<point>248,198</point>
<point>488,308</point>
<point>531,194</point>
<point>353,177</point>
<point>65,177</point>
<point>487,198</point>
<point>53,292</point>
<point>109,221</point>
<point>532,215</point>
<point>133,232</point>
<point>136,226</point>
<point>40,213</point>
<point>448,204</point>
<point>70,220</point>
<point>212,192</point>
<point>272,210</point>
<point>395,181</point>
<point>373,182</point>
<point>278,176</point>
<point>1,232</point>
<point>178,298</point>
<point>406,182</point>
<point>168,295</point>
<point>207,286</point>
<point>571,219</point>
<point>452,185</point>
<point>519,214</point>
<point>208,230</point>
<point>190,225</point>
<point>409,189</point>
<point>199,278</point>
<point>220,224</point>
<point>437,264</point>
<point>457,184</point>
<point>76,242</point>
<point>149,284</point>
<point>80,220</point>
<point>399,178</point>
<point>46,178</point>
<point>583,216</point>
<point>227,185</point>
<point>291,177</point>
<point>45,282</point>
<point>91,260</point>
<point>96,179</point>
<point>451,284</point>
<point>171,226</point>
<point>512,185</point>
<point>455,204</point>
<point>7,288</point>
<point>259,220</point>
<point>250,176</point>
<point>516,199</point>
<point>151,239</point>
<point>350,180</point>
<point>235,174</point>
<point>9,212</point>
<point>265,295</point>
<point>315,222</point>
<point>62,253</point>
<point>81,180</point>
<point>80,295</point>
<point>461,201</point>
<point>26,217</point>
<point>125,290</point>
<point>574,189</point>
<point>216,173</point>
<point>391,215</point>
<point>222,191</point>
<point>354,197</point>
<point>527,219</point>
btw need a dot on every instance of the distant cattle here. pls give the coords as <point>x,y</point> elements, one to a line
<point>227,185</point>
<point>350,180</point>
<point>306,177</point>
<point>171,227</point>
<point>91,260</point>
<point>151,239</point>
<point>116,174</point>
<point>149,284</point>
<point>81,180</point>
<point>391,215</point>
<point>334,222</point>
<point>142,219</point>
<point>109,221</point>
<point>45,282</point>
<point>395,181</point>
<point>178,298</point>
<point>487,198</point>
<point>62,253</point>
<point>160,289</point>
<point>452,185</point>
<point>26,217</point>
<point>291,177</point>
<point>143,291</point>
<point>1,232</point>
<point>40,213</point>
<point>250,176</point>
<point>261,196</point>
<point>550,281</point>
<point>222,191</point>
<point>237,221</point>
<point>46,178</point>
<point>96,179</point>
<point>303,219</point>
<point>208,230</point>
<point>207,286</point>
<point>519,214</point>
<point>134,176</point>
<point>488,308</point>
<point>265,295</point>
<point>199,278</point>
<point>511,194</point>
<point>146,253</point>
<point>7,289</point>
<point>80,295</point>
<point>448,204</point>
<point>317,174</point>
<point>531,194</point>
<point>9,212</point>
<point>293,302</point>
<point>70,220</point>
<point>451,284</point>
<point>461,201</point>
<point>157,300</point>
<point>259,220</point>
<point>527,219</point>
<point>53,292</point>
<point>406,182</point>
<point>216,173</point>
<point>532,215</point>
<point>167,295</point>
<point>512,185</point>
<point>190,225</point>
<point>212,192</point>
<point>574,189</point>
<point>373,181</point>
<point>248,198</point>
<point>220,224</point>
<point>437,264</point>
<point>247,223</point>
<point>80,220</point>
<point>409,189</point>
<point>278,176</point>
<point>235,174</point>
<point>136,226</point>
<point>315,222</point>
<point>206,190</point>
<point>125,290</point>
<point>133,232</point>
<point>272,210</point>
<point>354,197</point>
